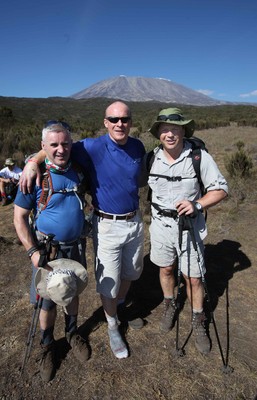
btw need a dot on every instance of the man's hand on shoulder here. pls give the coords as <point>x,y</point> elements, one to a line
<point>30,173</point>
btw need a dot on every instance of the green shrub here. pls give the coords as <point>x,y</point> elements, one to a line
<point>239,164</point>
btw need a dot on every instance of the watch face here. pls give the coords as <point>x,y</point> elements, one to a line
<point>198,206</point>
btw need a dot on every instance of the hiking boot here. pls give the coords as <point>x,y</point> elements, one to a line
<point>47,362</point>
<point>78,345</point>
<point>168,314</point>
<point>127,313</point>
<point>136,323</point>
<point>202,342</point>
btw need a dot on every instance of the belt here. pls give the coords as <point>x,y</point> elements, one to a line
<point>165,212</point>
<point>115,216</point>
<point>42,237</point>
<point>169,213</point>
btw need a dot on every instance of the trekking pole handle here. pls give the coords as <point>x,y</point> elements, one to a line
<point>185,224</point>
<point>180,231</point>
<point>192,233</point>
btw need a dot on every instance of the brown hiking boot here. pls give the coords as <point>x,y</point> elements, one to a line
<point>47,362</point>
<point>168,314</point>
<point>129,313</point>
<point>78,345</point>
<point>202,342</point>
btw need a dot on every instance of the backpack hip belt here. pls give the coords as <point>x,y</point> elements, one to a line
<point>165,212</point>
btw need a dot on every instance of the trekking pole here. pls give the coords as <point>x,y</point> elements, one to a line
<point>32,331</point>
<point>179,351</point>
<point>226,368</point>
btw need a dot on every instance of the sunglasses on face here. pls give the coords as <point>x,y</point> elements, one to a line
<point>53,122</point>
<point>171,117</point>
<point>115,120</point>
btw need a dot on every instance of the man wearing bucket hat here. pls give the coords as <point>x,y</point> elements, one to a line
<point>57,226</point>
<point>9,178</point>
<point>176,191</point>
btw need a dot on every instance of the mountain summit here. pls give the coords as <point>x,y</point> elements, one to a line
<point>145,89</point>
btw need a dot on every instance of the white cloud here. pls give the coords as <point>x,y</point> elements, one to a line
<point>250,94</point>
<point>207,92</point>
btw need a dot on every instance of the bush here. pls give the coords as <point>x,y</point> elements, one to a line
<point>239,164</point>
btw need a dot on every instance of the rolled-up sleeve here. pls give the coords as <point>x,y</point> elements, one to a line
<point>210,174</point>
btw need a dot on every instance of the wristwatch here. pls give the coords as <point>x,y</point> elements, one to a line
<point>198,206</point>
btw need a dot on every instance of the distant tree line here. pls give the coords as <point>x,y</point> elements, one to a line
<point>22,120</point>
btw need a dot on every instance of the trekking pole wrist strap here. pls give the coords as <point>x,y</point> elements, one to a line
<point>32,250</point>
<point>196,209</point>
<point>43,259</point>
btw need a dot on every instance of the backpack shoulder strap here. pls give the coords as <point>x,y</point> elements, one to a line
<point>47,191</point>
<point>83,177</point>
<point>150,157</point>
<point>149,160</point>
<point>196,160</point>
<point>197,146</point>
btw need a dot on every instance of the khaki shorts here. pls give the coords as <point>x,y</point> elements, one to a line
<point>165,248</point>
<point>119,247</point>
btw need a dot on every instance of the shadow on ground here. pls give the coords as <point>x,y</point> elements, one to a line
<point>222,261</point>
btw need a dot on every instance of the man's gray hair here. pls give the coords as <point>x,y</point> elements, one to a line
<point>58,127</point>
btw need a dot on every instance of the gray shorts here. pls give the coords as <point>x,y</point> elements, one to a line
<point>119,246</point>
<point>165,248</point>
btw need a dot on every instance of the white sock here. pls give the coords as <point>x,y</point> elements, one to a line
<point>197,311</point>
<point>118,346</point>
<point>112,321</point>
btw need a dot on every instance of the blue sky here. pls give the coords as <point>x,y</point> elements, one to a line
<point>59,47</point>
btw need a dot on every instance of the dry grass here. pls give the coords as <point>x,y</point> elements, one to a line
<point>153,371</point>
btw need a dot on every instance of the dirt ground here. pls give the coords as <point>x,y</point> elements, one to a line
<point>154,369</point>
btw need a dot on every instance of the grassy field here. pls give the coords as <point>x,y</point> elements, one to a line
<point>153,371</point>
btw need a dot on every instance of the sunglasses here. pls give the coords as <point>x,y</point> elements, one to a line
<point>171,117</point>
<point>53,122</point>
<point>114,120</point>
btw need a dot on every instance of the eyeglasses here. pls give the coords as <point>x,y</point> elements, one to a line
<point>53,122</point>
<point>171,117</point>
<point>114,120</point>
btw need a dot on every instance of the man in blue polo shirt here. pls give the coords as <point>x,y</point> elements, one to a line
<point>63,217</point>
<point>114,164</point>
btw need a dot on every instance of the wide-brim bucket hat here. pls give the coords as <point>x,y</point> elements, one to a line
<point>9,161</point>
<point>173,116</point>
<point>67,280</point>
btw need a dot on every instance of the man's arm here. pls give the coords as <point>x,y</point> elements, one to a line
<point>5,180</point>
<point>21,223</point>
<point>210,199</point>
<point>31,171</point>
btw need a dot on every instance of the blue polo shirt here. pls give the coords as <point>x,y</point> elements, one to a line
<point>114,172</point>
<point>63,215</point>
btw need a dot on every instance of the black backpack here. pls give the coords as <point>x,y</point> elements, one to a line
<point>197,146</point>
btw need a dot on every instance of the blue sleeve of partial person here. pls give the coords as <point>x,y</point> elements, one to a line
<point>27,201</point>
